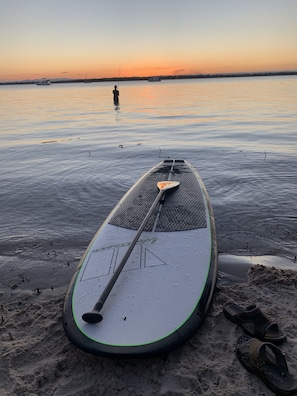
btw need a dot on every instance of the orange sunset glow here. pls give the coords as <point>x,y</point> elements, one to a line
<point>108,40</point>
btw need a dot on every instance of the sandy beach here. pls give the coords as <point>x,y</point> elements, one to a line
<point>38,359</point>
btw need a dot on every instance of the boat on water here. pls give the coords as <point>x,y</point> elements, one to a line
<point>154,79</point>
<point>44,81</point>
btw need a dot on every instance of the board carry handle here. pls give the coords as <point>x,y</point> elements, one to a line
<point>94,316</point>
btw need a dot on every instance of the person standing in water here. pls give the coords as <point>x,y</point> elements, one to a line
<point>116,95</point>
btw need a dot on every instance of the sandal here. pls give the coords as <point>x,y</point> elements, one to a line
<point>268,363</point>
<point>254,322</point>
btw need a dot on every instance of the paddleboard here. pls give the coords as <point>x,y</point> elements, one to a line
<point>164,290</point>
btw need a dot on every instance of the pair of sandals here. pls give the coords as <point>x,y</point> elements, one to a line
<point>258,352</point>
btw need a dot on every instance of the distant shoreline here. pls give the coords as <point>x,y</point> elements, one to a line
<point>168,77</point>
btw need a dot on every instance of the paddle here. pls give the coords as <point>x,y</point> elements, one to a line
<point>94,316</point>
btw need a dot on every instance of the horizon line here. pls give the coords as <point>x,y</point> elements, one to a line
<point>161,77</point>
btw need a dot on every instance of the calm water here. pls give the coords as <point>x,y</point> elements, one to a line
<point>67,156</point>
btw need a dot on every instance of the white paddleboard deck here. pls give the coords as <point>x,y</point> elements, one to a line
<point>165,288</point>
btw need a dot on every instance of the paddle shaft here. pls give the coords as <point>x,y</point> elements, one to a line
<point>94,316</point>
<point>117,272</point>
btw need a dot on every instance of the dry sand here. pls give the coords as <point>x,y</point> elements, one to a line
<point>38,359</point>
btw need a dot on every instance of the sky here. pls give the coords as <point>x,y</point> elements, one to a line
<point>125,38</point>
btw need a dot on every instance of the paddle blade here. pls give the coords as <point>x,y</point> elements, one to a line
<point>167,185</point>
